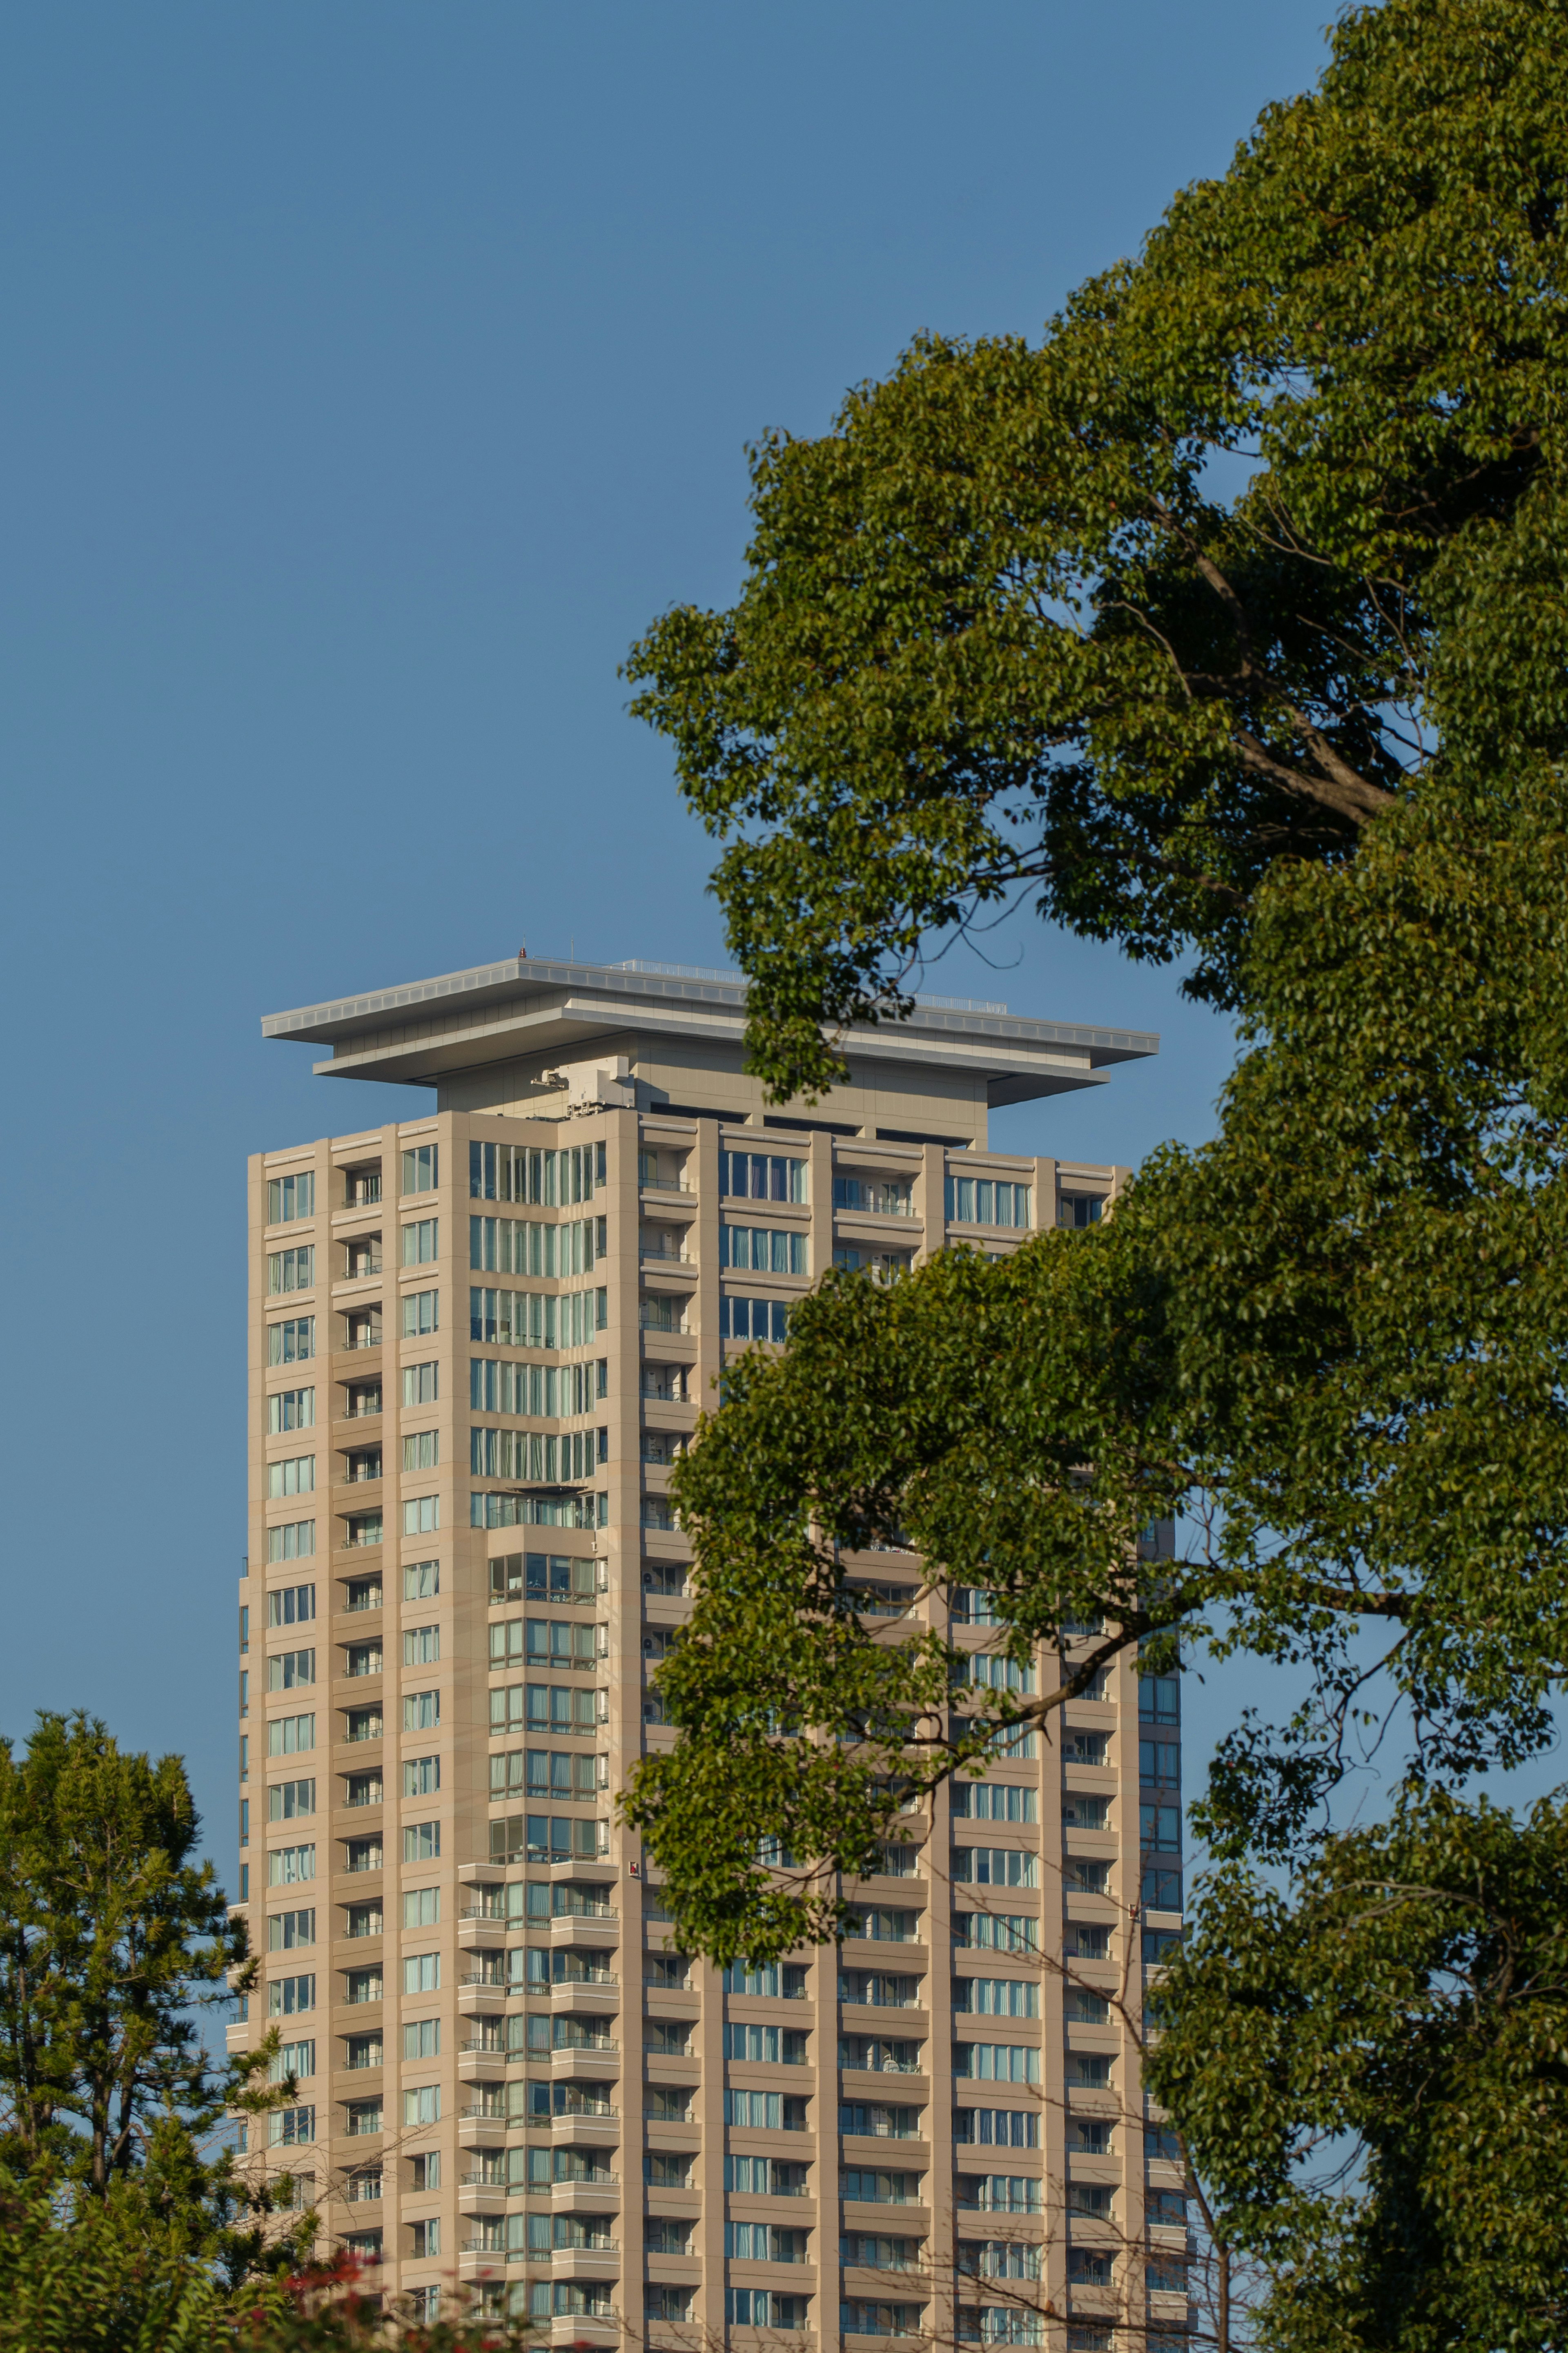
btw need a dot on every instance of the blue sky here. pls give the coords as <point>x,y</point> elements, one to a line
<point>373,375</point>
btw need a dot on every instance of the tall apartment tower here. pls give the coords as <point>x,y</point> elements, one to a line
<point>478,1340</point>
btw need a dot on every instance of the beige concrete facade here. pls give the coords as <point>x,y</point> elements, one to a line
<point>475,1338</point>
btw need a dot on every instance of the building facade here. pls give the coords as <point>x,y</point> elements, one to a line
<point>478,1338</point>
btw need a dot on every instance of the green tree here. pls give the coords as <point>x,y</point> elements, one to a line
<point>1229,623</point>
<point>112,1940</point>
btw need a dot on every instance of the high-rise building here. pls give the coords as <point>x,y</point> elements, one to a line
<point>478,1338</point>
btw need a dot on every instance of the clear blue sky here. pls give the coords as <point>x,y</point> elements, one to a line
<point>373,373</point>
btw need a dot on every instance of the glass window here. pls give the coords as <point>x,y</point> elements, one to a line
<point>419,1313</point>
<point>422,1516</point>
<point>421,1242</point>
<point>421,1908</point>
<point>761,1176</point>
<point>291,1343</point>
<point>420,1384</point>
<point>291,1270</point>
<point>421,1579</point>
<point>290,1196</point>
<point>421,1168</point>
<point>285,1799</point>
<point>420,1776</point>
<point>291,1409</point>
<point>291,1605</point>
<point>288,1736</point>
<point>295,1476</point>
<point>419,1450</point>
<point>294,1542</point>
<point>986,1201</point>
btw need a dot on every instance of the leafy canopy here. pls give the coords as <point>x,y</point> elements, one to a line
<point>1231,622</point>
<point>1195,588</point>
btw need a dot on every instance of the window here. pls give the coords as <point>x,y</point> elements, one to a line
<point>543,1576</point>
<point>421,1908</point>
<point>291,2127</point>
<point>363,1920</point>
<point>995,1866</point>
<point>1091,2068</point>
<point>362,1186</point>
<point>1162,1890</point>
<point>763,1250</point>
<point>880,1197</point>
<point>291,1605</point>
<point>420,1242</point>
<point>292,1342</point>
<point>989,1672</point>
<point>997,1997</point>
<point>363,1658</point>
<point>420,1776</point>
<point>285,1866</point>
<point>291,1409</point>
<point>985,1201</point>
<point>1086,1874</point>
<point>420,1451</point>
<point>881,1266</point>
<point>512,1172</point>
<point>363,1985</point>
<point>288,1997</point>
<point>291,1270</point>
<point>753,1319</point>
<point>422,1711</point>
<point>997,2063</point>
<point>296,1540</point>
<point>1000,2324</point>
<point>1084,1813</point>
<point>421,1580</point>
<point>776,2045</point>
<point>421,1383</point>
<point>1000,2193</point>
<point>763,2243</point>
<point>874,2120</point>
<point>423,2040</point>
<point>553,1392</point>
<point>286,1931</point>
<point>421,1168</point>
<point>424,2107</point>
<point>363,1789</point>
<point>857,2317</point>
<point>533,1319</point>
<point>535,1455</point>
<point>1006,1932</point>
<point>286,1669</point>
<point>285,1799</point>
<point>761,1176</point>
<point>421,1646</point>
<point>1160,1829</point>
<point>419,1315</point>
<point>1084,1747</point>
<point>865,2188</point>
<point>546,1707</point>
<point>1159,1699</point>
<point>547,1773</point>
<point>546,1641</point>
<point>289,1198</point>
<point>514,1246</point>
<point>1079,1208</point>
<point>421,1841</point>
<point>296,1476</point>
<point>363,1593</point>
<point>993,1802</point>
<point>547,1838</point>
<point>362,2116</point>
<point>766,2111</point>
<point>425,2239</point>
<point>289,1734</point>
<point>997,2127</point>
<point>361,1328</point>
<point>364,1853</point>
<point>293,2058</point>
<point>421,1973</point>
<point>423,1516</point>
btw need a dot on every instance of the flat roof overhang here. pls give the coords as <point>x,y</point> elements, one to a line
<point>422,1031</point>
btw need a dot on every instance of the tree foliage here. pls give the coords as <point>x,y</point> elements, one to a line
<point>1189,590</point>
<point>1231,622</point>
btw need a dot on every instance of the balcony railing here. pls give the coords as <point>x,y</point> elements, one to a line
<point>666,1185</point>
<point>356,1269</point>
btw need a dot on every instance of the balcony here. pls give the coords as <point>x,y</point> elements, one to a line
<point>480,1997</point>
<point>665,1185</point>
<point>358,1267</point>
<point>665,1254</point>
